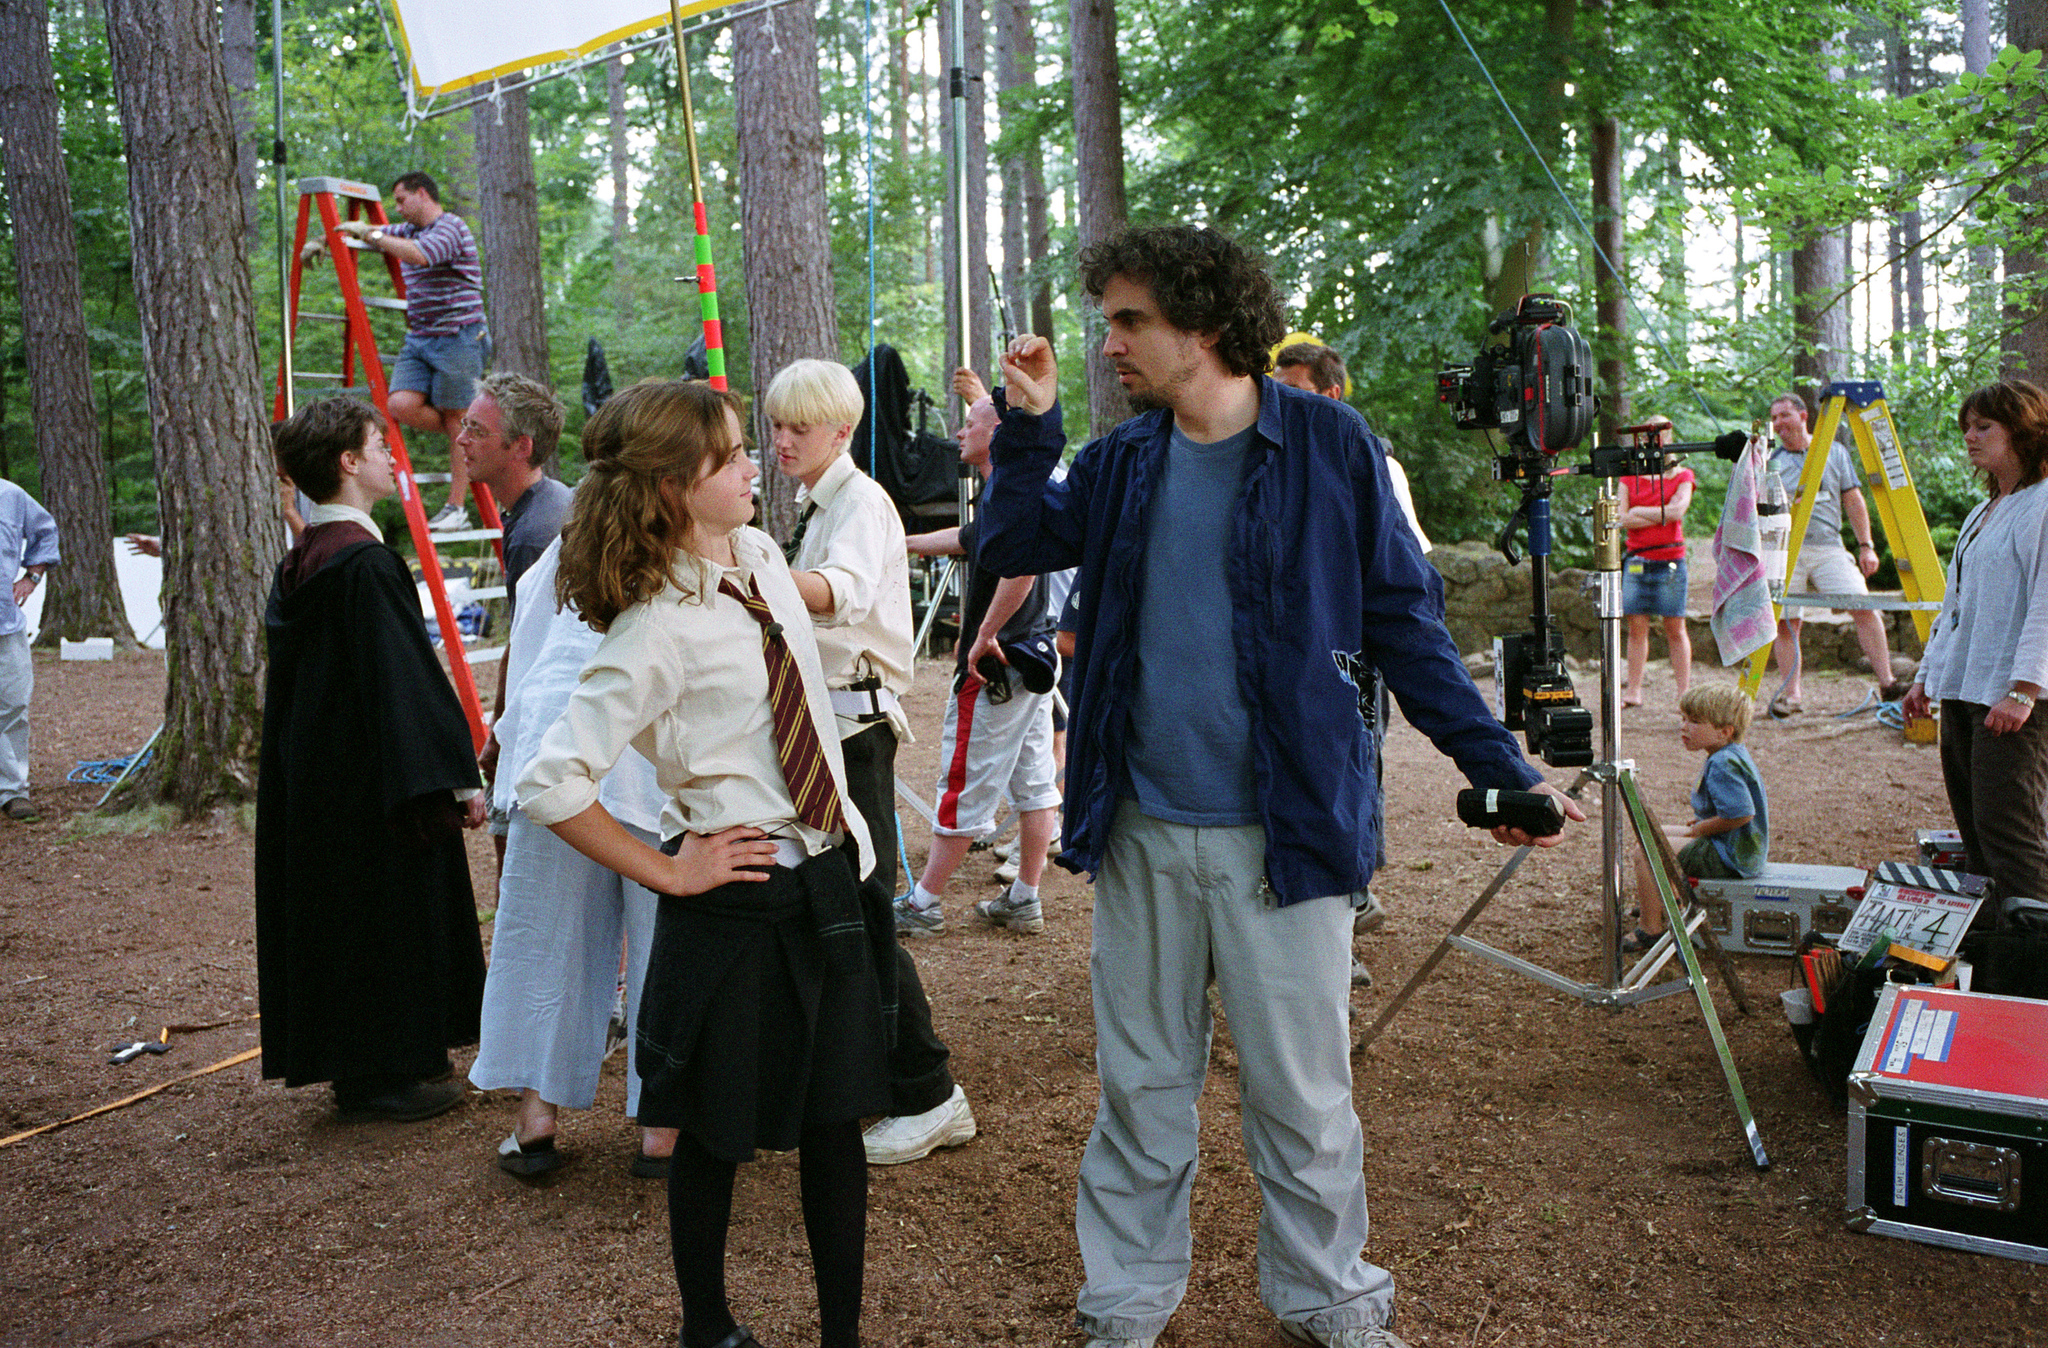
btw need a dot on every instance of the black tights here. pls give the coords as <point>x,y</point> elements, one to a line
<point>832,1167</point>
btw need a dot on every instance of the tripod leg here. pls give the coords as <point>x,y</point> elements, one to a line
<point>1443,948</point>
<point>1662,857</point>
<point>1639,817</point>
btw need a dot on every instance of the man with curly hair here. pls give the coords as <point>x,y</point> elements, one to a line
<point>1241,553</point>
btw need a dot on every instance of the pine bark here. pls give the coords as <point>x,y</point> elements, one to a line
<point>508,235</point>
<point>1820,267</point>
<point>979,300</point>
<point>2026,264</point>
<point>786,234</point>
<point>84,597</point>
<point>238,61</point>
<point>1099,169</point>
<point>1027,234</point>
<point>1610,303</point>
<point>209,428</point>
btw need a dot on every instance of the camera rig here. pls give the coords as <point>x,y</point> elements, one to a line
<point>1535,387</point>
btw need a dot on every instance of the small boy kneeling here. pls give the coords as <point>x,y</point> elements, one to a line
<point>1729,837</point>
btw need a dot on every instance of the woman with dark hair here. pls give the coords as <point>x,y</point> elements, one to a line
<point>1987,659</point>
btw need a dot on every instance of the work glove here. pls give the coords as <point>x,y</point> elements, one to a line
<point>356,229</point>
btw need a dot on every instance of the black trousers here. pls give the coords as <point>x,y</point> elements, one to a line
<point>919,1078</point>
<point>1998,793</point>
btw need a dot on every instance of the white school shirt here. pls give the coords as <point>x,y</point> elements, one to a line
<point>682,678</point>
<point>855,540</point>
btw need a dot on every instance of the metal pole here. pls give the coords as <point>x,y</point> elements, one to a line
<point>1607,552</point>
<point>707,279</point>
<point>957,85</point>
<point>284,228</point>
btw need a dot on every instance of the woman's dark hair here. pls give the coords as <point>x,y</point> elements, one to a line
<point>1202,281</point>
<point>310,445</point>
<point>2022,408</point>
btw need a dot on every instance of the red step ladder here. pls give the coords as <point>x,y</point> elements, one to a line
<point>331,196</point>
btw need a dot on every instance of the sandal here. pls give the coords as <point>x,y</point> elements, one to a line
<point>527,1159</point>
<point>1783,706</point>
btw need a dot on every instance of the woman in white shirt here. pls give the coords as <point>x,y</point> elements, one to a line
<point>762,1024</point>
<point>1987,659</point>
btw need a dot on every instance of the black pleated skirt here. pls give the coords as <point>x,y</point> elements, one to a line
<point>762,1012</point>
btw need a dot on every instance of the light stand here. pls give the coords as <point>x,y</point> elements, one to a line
<point>1622,804</point>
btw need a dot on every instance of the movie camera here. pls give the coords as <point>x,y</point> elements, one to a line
<point>1535,387</point>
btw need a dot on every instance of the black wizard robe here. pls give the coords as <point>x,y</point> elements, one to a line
<point>368,958</point>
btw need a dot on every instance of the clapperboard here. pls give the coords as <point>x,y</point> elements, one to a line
<point>1932,877</point>
<point>1931,920</point>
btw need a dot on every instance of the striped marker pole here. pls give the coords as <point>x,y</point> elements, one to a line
<point>707,280</point>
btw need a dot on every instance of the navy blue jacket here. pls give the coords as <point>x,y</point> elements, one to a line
<point>1324,573</point>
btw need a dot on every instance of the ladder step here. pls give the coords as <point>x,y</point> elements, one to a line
<point>489,655</point>
<point>341,187</point>
<point>465,535</point>
<point>310,317</point>
<point>430,477</point>
<point>325,376</point>
<point>487,592</point>
<point>384,302</point>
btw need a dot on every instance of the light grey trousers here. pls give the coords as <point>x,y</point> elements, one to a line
<point>1177,907</point>
<point>555,968</point>
<point>17,686</point>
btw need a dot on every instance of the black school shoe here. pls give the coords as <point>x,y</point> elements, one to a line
<point>364,1100</point>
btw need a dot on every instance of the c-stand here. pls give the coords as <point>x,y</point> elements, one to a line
<point>1529,681</point>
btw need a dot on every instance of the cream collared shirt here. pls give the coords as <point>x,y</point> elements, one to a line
<point>682,678</point>
<point>335,513</point>
<point>856,542</point>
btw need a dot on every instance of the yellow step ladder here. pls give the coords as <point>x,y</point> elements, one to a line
<point>1889,486</point>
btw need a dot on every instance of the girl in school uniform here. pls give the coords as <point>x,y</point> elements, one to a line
<point>762,1023</point>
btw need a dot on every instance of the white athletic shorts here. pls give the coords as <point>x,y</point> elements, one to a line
<point>993,751</point>
<point>1825,570</point>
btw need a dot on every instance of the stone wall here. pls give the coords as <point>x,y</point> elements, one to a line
<point>1484,597</point>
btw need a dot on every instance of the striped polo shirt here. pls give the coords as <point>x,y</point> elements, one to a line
<point>447,293</point>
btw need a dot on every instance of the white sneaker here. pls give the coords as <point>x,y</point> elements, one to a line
<point>1005,851</point>
<point>1341,1338</point>
<point>453,516</point>
<point>1361,977</point>
<point>1006,873</point>
<point>1369,917</point>
<point>912,920</point>
<point>1027,917</point>
<point>912,1137</point>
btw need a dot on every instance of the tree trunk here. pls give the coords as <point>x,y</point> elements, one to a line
<point>1099,172</point>
<point>1513,266</point>
<point>1820,267</point>
<point>1610,302</point>
<point>209,428</point>
<point>786,232</point>
<point>1027,236</point>
<point>1909,307</point>
<point>622,211</point>
<point>979,301</point>
<point>84,598</point>
<point>508,235</point>
<point>238,61</point>
<point>2026,265</point>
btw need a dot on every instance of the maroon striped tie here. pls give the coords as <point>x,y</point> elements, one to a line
<point>796,739</point>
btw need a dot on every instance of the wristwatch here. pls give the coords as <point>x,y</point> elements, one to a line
<point>1860,546</point>
<point>376,234</point>
<point>2024,699</point>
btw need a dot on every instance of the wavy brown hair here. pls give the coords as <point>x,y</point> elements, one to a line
<point>618,548</point>
<point>2021,407</point>
<point>1203,281</point>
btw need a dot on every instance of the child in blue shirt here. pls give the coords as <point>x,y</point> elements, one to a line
<point>1730,833</point>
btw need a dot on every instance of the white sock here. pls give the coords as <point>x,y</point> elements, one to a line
<point>923,898</point>
<point>1022,893</point>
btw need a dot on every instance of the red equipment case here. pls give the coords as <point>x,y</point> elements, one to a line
<point>1948,1122</point>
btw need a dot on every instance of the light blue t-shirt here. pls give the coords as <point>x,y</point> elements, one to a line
<point>1189,755</point>
<point>1824,526</point>
<point>1730,787</point>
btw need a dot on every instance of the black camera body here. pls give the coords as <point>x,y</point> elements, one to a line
<point>1537,387</point>
<point>1537,698</point>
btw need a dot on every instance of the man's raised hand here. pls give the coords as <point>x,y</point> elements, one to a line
<point>1031,376</point>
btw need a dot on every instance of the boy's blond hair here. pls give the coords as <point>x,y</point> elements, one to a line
<point>815,393</point>
<point>1721,705</point>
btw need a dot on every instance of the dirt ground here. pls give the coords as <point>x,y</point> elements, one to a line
<point>1540,1172</point>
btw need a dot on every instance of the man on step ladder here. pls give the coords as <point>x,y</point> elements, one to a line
<point>447,345</point>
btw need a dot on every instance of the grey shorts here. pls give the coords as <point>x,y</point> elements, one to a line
<point>444,368</point>
<point>991,751</point>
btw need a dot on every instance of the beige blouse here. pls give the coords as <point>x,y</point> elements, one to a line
<point>681,677</point>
